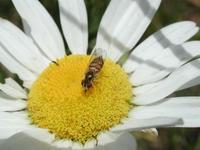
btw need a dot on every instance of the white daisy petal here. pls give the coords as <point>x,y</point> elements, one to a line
<point>123,24</point>
<point>15,85</point>
<point>4,95</point>
<point>77,146</point>
<point>15,128</point>
<point>17,116</point>
<point>28,84</point>
<point>90,145</point>
<point>74,23</point>
<point>143,88</point>
<point>24,141</point>
<point>135,123</point>
<point>186,108</point>
<point>9,123</point>
<point>125,142</point>
<point>40,134</point>
<point>21,47</point>
<point>167,86</point>
<point>15,67</point>
<point>160,66</point>
<point>42,28</point>
<point>7,132</point>
<point>192,83</point>
<point>147,87</point>
<point>12,123</point>
<point>64,144</point>
<point>106,138</point>
<point>12,89</point>
<point>11,104</point>
<point>173,34</point>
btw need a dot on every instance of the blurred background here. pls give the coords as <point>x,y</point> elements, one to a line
<point>170,11</point>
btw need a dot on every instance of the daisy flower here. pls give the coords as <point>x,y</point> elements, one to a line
<point>51,109</point>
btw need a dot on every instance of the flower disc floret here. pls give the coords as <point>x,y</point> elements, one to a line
<point>57,100</point>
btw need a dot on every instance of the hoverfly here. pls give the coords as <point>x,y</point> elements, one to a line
<point>96,63</point>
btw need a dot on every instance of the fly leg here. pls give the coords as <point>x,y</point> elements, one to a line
<point>55,62</point>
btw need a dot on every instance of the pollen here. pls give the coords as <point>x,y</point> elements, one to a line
<point>58,102</point>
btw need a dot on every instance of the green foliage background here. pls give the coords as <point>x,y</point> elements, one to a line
<point>170,11</point>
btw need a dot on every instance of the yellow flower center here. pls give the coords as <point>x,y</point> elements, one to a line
<point>57,100</point>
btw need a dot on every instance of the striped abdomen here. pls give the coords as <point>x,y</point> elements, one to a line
<point>96,64</point>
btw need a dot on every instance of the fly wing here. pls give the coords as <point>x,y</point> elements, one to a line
<point>98,52</point>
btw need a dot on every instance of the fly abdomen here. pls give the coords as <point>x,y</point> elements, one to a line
<point>96,64</point>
